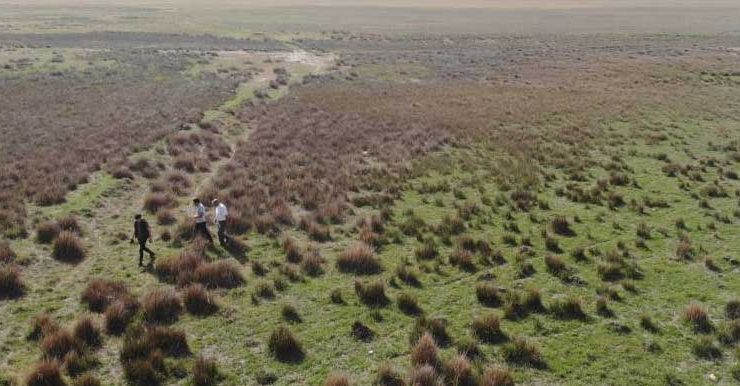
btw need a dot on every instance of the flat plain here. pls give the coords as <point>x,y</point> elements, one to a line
<point>478,193</point>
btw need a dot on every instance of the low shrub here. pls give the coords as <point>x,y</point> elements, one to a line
<point>180,268</point>
<point>488,329</point>
<point>469,347</point>
<point>162,306</point>
<point>68,248</point>
<point>359,259</point>
<point>425,352</point>
<point>45,373</point>
<point>284,346</point>
<point>165,217</point>
<point>371,294</point>
<point>198,301</point>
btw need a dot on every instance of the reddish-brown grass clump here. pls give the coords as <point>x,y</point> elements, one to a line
<point>198,301</point>
<point>162,306</point>
<point>7,255</point>
<point>488,329</point>
<point>57,344</point>
<point>371,294</point>
<point>205,372</point>
<point>41,326</point>
<point>495,376</point>
<point>697,316</point>
<point>11,283</point>
<point>68,248</point>
<point>87,333</point>
<point>46,373</point>
<point>522,352</point>
<point>219,274</point>
<point>459,372</point>
<point>47,231</point>
<point>119,314</point>
<point>359,259</point>
<point>100,293</point>
<point>425,352</point>
<point>425,376</point>
<point>284,346</point>
<point>337,380</point>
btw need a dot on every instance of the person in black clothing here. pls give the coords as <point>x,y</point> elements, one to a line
<point>142,235</point>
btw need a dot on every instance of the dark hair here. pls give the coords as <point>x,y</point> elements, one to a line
<point>137,217</point>
<point>196,201</point>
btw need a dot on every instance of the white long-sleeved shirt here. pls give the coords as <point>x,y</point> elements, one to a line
<point>221,212</point>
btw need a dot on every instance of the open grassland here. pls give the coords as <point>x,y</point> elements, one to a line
<point>425,211</point>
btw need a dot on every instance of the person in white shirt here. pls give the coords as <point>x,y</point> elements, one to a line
<point>222,214</point>
<point>200,221</point>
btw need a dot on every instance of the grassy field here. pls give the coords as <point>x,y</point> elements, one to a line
<point>417,196</point>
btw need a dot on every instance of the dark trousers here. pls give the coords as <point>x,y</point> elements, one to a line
<point>202,229</point>
<point>142,249</point>
<point>222,238</point>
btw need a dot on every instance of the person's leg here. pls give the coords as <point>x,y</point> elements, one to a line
<point>222,232</point>
<point>141,253</point>
<point>149,251</point>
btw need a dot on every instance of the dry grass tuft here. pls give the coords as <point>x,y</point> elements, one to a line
<point>100,293</point>
<point>488,294</point>
<point>459,372</point>
<point>219,274</point>
<point>162,306</point>
<point>119,314</point>
<point>696,315</point>
<point>337,380</point>
<point>87,333</point>
<point>495,376</point>
<point>41,326</point>
<point>198,301</point>
<point>284,346</point>
<point>7,255</point>
<point>57,344</point>
<point>425,352</point>
<point>522,352</point>
<point>488,329</point>
<point>45,373</point>
<point>205,372</point>
<point>11,282</point>
<point>360,259</point>
<point>425,376</point>
<point>371,294</point>
<point>68,248</point>
<point>47,231</point>
<point>388,376</point>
